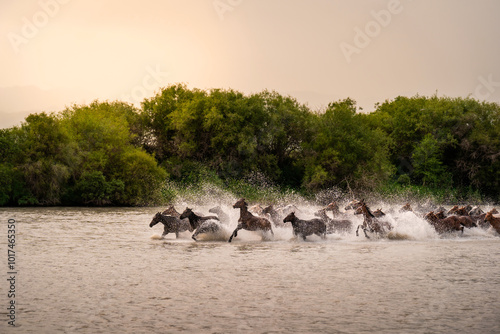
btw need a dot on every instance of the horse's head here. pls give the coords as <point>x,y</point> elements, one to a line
<point>476,211</point>
<point>462,211</point>
<point>268,209</point>
<point>320,213</point>
<point>240,204</point>
<point>431,217</point>
<point>156,219</point>
<point>290,218</point>
<point>217,210</point>
<point>440,214</point>
<point>453,210</point>
<point>186,213</point>
<point>353,205</point>
<point>405,208</point>
<point>170,211</point>
<point>332,207</point>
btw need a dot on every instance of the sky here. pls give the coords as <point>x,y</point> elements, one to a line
<point>56,53</point>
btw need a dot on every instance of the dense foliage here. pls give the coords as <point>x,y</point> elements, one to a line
<point>114,154</point>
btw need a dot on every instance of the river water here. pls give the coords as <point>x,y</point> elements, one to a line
<point>104,270</point>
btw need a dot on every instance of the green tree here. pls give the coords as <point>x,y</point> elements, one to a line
<point>427,163</point>
<point>346,148</point>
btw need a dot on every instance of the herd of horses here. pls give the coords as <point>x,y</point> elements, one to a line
<point>374,222</point>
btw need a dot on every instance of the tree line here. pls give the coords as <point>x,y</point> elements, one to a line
<point>112,153</point>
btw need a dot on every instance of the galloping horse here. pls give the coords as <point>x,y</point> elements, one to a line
<point>274,214</point>
<point>448,224</point>
<point>248,221</point>
<point>371,223</point>
<point>494,221</point>
<point>334,208</point>
<point>334,225</point>
<point>200,224</point>
<point>306,227</point>
<point>171,224</point>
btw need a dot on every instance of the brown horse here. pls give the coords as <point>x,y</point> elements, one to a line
<point>494,221</point>
<point>448,224</point>
<point>406,208</point>
<point>460,211</point>
<point>353,205</point>
<point>305,228</point>
<point>371,223</point>
<point>248,221</point>
<point>377,213</point>
<point>334,208</point>
<point>440,214</point>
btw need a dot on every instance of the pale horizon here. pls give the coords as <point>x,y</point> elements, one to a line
<point>57,53</point>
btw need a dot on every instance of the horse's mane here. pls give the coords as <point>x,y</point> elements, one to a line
<point>368,209</point>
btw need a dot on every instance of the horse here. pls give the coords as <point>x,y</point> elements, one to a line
<point>406,208</point>
<point>201,224</point>
<point>248,221</point>
<point>306,227</point>
<point>371,223</point>
<point>440,214</point>
<point>170,211</point>
<point>494,221</point>
<point>352,205</point>
<point>334,208</point>
<point>475,211</point>
<point>463,211</point>
<point>274,214</point>
<point>333,225</point>
<point>223,217</point>
<point>171,224</point>
<point>377,213</point>
<point>448,224</point>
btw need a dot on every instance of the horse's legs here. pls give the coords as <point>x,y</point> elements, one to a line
<point>235,233</point>
<point>164,234</point>
<point>357,231</point>
<point>177,234</point>
<point>366,235</point>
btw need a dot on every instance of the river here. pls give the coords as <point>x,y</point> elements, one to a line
<point>104,270</point>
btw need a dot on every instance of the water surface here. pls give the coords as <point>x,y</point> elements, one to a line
<point>83,270</point>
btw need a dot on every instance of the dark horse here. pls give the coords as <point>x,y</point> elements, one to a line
<point>171,224</point>
<point>200,224</point>
<point>306,227</point>
<point>371,223</point>
<point>248,221</point>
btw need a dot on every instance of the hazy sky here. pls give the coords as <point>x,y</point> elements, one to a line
<point>59,52</point>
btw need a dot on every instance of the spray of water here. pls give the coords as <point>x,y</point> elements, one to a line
<point>407,225</point>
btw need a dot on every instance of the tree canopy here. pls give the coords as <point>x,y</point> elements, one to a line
<point>111,153</point>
